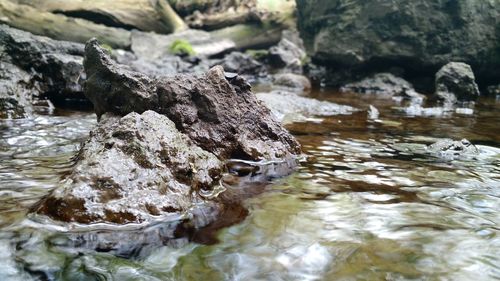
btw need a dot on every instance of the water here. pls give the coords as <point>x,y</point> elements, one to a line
<point>368,203</point>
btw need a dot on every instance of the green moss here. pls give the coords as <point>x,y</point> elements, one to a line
<point>182,47</point>
<point>107,48</point>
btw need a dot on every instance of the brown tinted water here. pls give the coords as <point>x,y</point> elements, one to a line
<point>368,203</point>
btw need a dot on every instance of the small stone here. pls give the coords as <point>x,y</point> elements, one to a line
<point>456,82</point>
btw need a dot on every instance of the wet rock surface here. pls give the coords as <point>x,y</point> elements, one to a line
<point>160,142</point>
<point>289,107</point>
<point>132,168</point>
<point>36,67</point>
<point>456,82</point>
<point>450,149</point>
<point>385,84</point>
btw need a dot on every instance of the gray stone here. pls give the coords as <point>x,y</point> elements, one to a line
<point>243,64</point>
<point>385,84</point>
<point>290,107</point>
<point>36,67</point>
<point>450,149</point>
<point>293,82</point>
<point>288,56</point>
<point>455,81</point>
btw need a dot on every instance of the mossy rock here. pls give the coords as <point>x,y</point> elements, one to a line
<point>182,47</point>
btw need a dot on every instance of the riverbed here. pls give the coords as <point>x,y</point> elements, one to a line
<point>367,202</point>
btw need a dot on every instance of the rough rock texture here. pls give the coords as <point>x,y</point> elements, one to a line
<point>243,64</point>
<point>35,67</point>
<point>450,149</point>
<point>132,168</point>
<point>294,82</point>
<point>167,149</point>
<point>384,84</point>
<point>419,36</point>
<point>455,81</point>
<point>290,107</point>
<point>15,91</point>
<point>287,55</point>
<point>219,114</point>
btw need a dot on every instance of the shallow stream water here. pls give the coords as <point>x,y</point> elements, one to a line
<point>367,203</point>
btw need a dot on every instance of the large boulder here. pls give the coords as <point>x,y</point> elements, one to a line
<point>161,142</point>
<point>419,36</point>
<point>456,81</point>
<point>35,67</point>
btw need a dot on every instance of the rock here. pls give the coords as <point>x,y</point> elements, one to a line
<point>61,27</point>
<point>455,81</point>
<point>287,55</point>
<point>222,116</point>
<point>128,14</point>
<point>243,64</point>
<point>161,144</point>
<point>450,149</point>
<point>132,168</point>
<point>35,67</point>
<point>15,93</point>
<point>385,84</point>
<point>289,107</point>
<point>203,43</point>
<point>419,36</point>
<point>293,82</point>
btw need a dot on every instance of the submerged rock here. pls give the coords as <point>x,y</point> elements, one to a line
<point>290,107</point>
<point>169,146</point>
<point>385,84</point>
<point>455,81</point>
<point>36,67</point>
<point>449,148</point>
